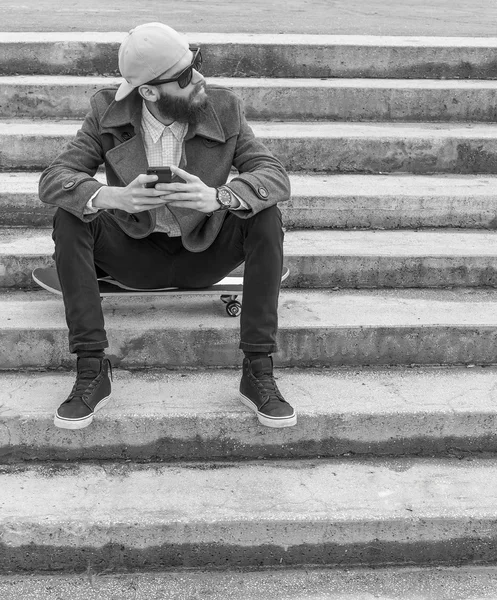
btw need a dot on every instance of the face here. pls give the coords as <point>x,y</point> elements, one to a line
<point>181,104</point>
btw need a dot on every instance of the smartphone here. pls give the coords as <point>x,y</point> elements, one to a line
<point>164,174</point>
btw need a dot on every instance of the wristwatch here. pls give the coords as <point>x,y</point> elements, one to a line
<point>224,198</point>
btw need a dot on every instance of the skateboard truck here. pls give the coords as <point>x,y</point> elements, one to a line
<point>233,306</point>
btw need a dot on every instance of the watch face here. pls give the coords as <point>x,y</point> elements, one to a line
<point>225,198</point>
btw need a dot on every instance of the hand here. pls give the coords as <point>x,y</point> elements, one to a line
<point>133,198</point>
<point>191,194</point>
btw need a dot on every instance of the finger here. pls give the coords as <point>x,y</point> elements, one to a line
<point>149,193</point>
<point>185,196</point>
<point>144,207</point>
<point>184,174</point>
<point>143,179</point>
<point>173,187</point>
<point>154,202</point>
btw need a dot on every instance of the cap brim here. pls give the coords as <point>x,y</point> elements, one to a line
<point>124,90</point>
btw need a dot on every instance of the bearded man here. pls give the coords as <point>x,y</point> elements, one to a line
<point>189,233</point>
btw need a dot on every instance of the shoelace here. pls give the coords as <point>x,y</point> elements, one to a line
<point>266,383</point>
<point>85,383</point>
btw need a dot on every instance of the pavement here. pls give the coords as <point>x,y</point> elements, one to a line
<point>345,17</point>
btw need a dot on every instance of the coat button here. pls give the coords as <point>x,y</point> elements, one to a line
<point>69,184</point>
<point>263,193</point>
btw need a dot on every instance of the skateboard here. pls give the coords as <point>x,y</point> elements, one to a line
<point>228,288</point>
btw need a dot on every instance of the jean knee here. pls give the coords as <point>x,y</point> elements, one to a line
<point>63,219</point>
<point>272,213</point>
<point>268,222</point>
<point>65,222</point>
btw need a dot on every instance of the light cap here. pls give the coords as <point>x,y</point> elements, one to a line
<point>146,53</point>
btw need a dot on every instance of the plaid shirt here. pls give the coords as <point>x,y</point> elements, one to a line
<point>163,146</point>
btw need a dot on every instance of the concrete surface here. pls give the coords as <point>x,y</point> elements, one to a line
<point>418,148</point>
<point>265,55</point>
<point>388,411</point>
<point>475,583</point>
<point>390,201</point>
<point>325,258</point>
<point>462,583</point>
<point>377,17</point>
<point>75,517</point>
<point>44,96</point>
<point>317,328</point>
<point>324,201</point>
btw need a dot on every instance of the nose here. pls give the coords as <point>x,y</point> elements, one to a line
<point>197,77</point>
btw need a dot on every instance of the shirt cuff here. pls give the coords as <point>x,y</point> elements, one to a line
<point>243,205</point>
<point>89,209</point>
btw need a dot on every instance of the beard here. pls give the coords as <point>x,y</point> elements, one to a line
<point>183,110</point>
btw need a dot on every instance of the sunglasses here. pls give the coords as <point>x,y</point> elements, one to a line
<point>184,78</point>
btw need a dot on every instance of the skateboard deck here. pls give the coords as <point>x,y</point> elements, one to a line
<point>228,288</point>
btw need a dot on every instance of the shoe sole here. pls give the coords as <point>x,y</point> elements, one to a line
<point>276,422</point>
<point>79,423</point>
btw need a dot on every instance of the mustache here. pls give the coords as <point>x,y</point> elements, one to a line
<point>201,85</point>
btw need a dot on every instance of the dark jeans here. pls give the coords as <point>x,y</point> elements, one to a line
<point>85,251</point>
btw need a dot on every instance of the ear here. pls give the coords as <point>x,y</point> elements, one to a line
<point>149,92</point>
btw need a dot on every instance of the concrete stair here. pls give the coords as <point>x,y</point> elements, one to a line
<point>325,258</point>
<point>406,583</point>
<point>387,321</point>
<point>258,514</point>
<point>317,328</point>
<point>280,99</point>
<point>361,412</point>
<point>263,55</point>
<point>418,148</point>
<point>325,201</point>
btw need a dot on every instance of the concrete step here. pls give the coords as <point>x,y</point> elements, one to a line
<point>313,583</point>
<point>317,329</point>
<point>325,258</point>
<point>426,411</point>
<point>44,96</point>
<point>283,513</point>
<point>418,148</point>
<point>325,201</point>
<point>263,55</point>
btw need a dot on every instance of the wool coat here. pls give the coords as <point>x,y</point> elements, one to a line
<point>220,140</point>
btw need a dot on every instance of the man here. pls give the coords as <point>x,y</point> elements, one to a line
<point>188,233</point>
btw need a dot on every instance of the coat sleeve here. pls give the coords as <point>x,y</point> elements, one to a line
<point>262,180</point>
<point>68,182</point>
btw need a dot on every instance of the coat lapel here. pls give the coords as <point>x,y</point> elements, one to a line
<point>128,160</point>
<point>123,120</point>
<point>208,126</point>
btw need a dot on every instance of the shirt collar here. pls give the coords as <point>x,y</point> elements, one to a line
<point>155,128</point>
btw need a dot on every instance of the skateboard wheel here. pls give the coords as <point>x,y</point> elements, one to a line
<point>234,308</point>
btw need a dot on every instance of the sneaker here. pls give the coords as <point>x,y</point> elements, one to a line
<point>258,391</point>
<point>90,393</point>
